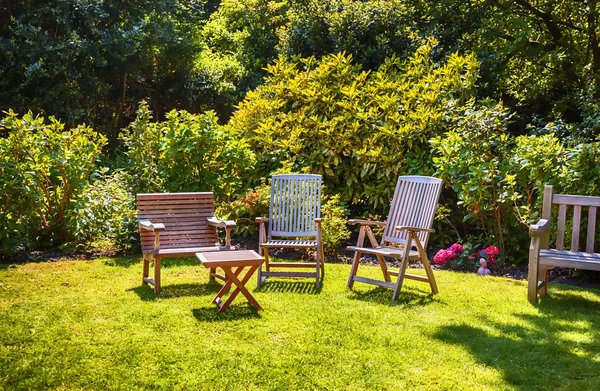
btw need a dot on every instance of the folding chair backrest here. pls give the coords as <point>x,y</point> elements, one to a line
<point>295,204</point>
<point>413,205</point>
<point>184,216</point>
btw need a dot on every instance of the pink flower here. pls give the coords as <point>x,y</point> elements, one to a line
<point>449,254</point>
<point>492,250</point>
<point>440,257</point>
<point>471,257</point>
<point>457,248</point>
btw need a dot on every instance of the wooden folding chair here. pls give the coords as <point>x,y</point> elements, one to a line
<point>294,212</point>
<point>406,233</point>
<point>174,225</point>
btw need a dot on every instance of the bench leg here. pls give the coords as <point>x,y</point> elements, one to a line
<point>543,277</point>
<point>146,270</point>
<point>156,275</point>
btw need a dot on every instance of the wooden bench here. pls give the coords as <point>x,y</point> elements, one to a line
<point>542,257</point>
<point>176,225</point>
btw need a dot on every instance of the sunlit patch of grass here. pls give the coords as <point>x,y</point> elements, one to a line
<point>91,325</point>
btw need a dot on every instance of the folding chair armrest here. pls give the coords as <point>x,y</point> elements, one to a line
<point>536,230</point>
<point>366,222</point>
<point>318,221</point>
<point>147,225</point>
<point>413,229</point>
<point>229,225</point>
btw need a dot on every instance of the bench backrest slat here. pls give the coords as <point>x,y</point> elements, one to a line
<point>591,232</point>
<point>185,216</point>
<point>579,204</point>
<point>560,234</point>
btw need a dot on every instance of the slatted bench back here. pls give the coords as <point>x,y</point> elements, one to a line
<point>413,205</point>
<point>184,216</point>
<point>295,204</point>
<point>570,211</point>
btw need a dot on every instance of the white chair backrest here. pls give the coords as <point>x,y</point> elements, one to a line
<point>413,205</point>
<point>295,204</point>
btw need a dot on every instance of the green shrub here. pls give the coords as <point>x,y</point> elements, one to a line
<point>186,152</point>
<point>334,225</point>
<point>105,214</point>
<point>254,203</point>
<point>42,170</point>
<point>353,127</point>
<point>498,178</point>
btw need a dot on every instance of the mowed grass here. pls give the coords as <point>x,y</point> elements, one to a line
<point>90,325</point>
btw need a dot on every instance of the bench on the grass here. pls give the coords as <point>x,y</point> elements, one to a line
<point>542,257</point>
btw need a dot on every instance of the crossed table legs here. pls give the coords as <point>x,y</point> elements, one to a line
<point>228,260</point>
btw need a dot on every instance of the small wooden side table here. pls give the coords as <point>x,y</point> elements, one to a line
<point>228,261</point>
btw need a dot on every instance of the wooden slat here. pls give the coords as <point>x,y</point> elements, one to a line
<point>560,233</point>
<point>293,264</point>
<point>591,230</point>
<point>177,212</point>
<point>576,200</point>
<point>173,196</point>
<point>167,208</point>
<point>288,274</point>
<point>200,201</point>
<point>569,254</point>
<point>569,262</point>
<point>375,282</point>
<point>576,228</point>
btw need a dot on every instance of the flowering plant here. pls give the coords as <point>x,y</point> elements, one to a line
<point>489,254</point>
<point>458,256</point>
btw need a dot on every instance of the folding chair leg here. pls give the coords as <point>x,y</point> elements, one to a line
<point>318,276</point>
<point>259,276</point>
<point>156,275</point>
<point>426,264</point>
<point>401,274</point>
<point>354,270</point>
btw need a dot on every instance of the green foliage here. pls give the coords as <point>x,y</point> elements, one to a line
<point>186,152</point>
<point>371,31</point>
<point>499,178</point>
<point>254,203</point>
<point>334,226</point>
<point>241,37</point>
<point>92,61</point>
<point>105,215</point>
<point>42,170</point>
<point>353,127</point>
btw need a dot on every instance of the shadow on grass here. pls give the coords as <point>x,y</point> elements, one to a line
<point>165,263</point>
<point>559,347</point>
<point>409,297</point>
<point>146,292</point>
<point>301,287</point>
<point>234,312</point>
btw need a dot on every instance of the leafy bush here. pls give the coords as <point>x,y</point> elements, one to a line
<point>499,178</point>
<point>186,152</point>
<point>353,127</point>
<point>254,203</point>
<point>105,215</point>
<point>42,170</point>
<point>334,226</point>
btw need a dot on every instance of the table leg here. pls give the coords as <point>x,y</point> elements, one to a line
<point>227,284</point>
<point>232,276</point>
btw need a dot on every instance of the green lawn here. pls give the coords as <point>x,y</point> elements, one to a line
<point>102,330</point>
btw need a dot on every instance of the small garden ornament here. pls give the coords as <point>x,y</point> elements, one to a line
<point>483,268</point>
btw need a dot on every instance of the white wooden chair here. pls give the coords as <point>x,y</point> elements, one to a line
<point>294,222</point>
<point>405,235</point>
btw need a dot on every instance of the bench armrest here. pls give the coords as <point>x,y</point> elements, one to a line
<point>229,225</point>
<point>536,230</point>
<point>147,225</point>
<point>413,229</point>
<point>261,220</point>
<point>365,222</point>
